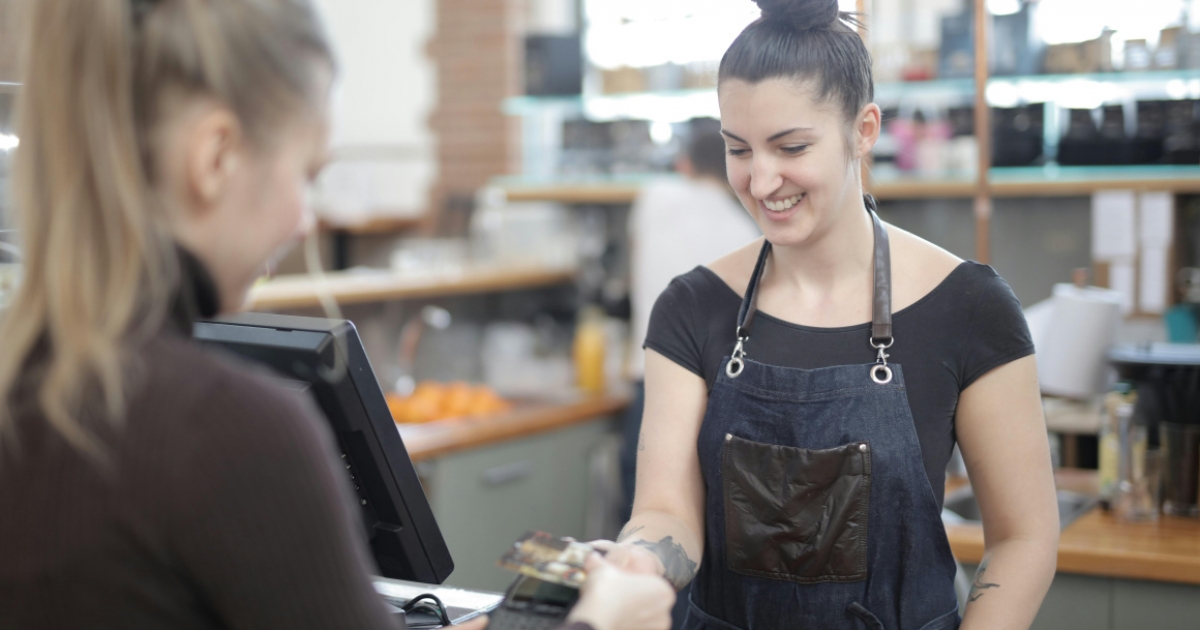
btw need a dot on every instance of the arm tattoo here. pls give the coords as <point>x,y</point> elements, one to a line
<point>679,568</point>
<point>641,441</point>
<point>627,533</point>
<point>978,587</point>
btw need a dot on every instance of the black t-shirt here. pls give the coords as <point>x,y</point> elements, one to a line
<point>968,325</point>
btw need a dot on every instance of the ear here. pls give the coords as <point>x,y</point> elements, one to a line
<point>213,154</point>
<point>866,130</point>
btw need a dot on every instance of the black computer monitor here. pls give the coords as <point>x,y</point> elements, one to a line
<point>404,536</point>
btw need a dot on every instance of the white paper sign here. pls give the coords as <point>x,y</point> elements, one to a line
<point>1152,290</point>
<point>1121,279</point>
<point>1114,228</point>
<point>1157,219</point>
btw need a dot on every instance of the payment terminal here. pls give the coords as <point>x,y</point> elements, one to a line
<point>533,604</point>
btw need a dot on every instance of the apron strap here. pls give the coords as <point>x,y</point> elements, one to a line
<point>750,301</point>
<point>881,304</point>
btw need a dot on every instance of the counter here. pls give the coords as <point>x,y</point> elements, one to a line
<point>1097,544</point>
<point>434,439</point>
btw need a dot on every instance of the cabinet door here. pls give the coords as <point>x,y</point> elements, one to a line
<point>1141,604</point>
<point>486,498</point>
<point>1076,602</point>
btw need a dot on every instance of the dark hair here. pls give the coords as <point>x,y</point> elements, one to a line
<point>809,40</point>
<point>706,148</point>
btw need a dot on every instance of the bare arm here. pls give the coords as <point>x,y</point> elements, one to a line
<point>668,506</point>
<point>1002,434</point>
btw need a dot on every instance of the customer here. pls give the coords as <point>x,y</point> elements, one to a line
<point>146,482</point>
<point>795,439</point>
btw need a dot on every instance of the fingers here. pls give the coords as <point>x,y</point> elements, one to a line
<point>478,623</point>
<point>594,562</point>
<point>602,545</point>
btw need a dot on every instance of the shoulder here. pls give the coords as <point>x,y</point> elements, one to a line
<point>735,268</point>
<point>918,267</point>
<point>698,286</point>
<point>212,394</point>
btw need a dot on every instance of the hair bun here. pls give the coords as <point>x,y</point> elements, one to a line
<point>800,14</point>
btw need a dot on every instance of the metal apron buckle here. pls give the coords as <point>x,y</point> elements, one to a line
<point>880,372</point>
<point>736,365</point>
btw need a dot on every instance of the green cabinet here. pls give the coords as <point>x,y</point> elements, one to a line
<point>1085,602</point>
<point>485,498</point>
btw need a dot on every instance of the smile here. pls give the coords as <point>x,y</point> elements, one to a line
<point>782,204</point>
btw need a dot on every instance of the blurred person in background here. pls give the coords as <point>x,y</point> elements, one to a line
<point>675,225</point>
<point>792,458</point>
<point>146,481</point>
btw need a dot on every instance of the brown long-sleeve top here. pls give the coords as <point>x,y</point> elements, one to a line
<point>225,506</point>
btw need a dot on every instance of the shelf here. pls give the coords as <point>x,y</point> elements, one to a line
<point>354,287</point>
<point>1070,90</point>
<point>1061,181</point>
<point>605,191</point>
<point>377,225</point>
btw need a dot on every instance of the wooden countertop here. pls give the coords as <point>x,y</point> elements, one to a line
<point>433,439</point>
<point>1097,544</point>
<point>302,291</point>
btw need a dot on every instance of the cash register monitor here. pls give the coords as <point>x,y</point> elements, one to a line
<point>404,536</point>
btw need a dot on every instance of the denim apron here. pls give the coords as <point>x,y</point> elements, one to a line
<point>819,513</point>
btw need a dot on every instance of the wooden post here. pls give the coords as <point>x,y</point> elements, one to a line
<point>983,137</point>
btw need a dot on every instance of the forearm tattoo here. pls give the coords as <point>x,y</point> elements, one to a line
<point>627,532</point>
<point>979,586</point>
<point>678,567</point>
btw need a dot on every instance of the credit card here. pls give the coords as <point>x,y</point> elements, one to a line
<point>550,558</point>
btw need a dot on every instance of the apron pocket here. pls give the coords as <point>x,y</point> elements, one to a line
<point>796,514</point>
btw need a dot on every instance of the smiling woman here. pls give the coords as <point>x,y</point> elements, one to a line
<point>804,393</point>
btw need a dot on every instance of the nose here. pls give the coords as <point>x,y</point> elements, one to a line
<point>764,177</point>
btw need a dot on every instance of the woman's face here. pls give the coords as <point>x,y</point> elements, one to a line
<point>271,212</point>
<point>787,158</point>
<point>245,205</point>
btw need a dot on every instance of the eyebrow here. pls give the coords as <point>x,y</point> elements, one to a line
<point>772,138</point>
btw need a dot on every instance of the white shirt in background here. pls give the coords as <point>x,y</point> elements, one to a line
<point>676,224</point>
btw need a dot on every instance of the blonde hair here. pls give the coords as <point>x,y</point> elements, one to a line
<point>100,265</point>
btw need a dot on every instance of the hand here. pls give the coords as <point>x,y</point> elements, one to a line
<point>613,599</point>
<point>478,623</point>
<point>630,558</point>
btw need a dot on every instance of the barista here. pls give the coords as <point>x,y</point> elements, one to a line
<point>804,393</point>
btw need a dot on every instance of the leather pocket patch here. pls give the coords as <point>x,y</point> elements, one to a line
<point>794,513</point>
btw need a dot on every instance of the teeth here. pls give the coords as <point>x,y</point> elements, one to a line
<point>783,204</point>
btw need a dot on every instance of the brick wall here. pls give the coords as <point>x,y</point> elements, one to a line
<point>477,51</point>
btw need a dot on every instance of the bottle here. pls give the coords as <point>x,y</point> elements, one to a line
<point>589,350</point>
<point>1137,491</point>
<point>1121,397</point>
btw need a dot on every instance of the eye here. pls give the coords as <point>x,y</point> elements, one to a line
<point>795,149</point>
<point>737,152</point>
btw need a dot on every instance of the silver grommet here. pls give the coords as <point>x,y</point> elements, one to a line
<point>728,437</point>
<point>881,374</point>
<point>734,368</point>
<point>863,447</point>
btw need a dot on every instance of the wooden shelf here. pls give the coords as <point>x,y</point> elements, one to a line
<point>592,193</point>
<point>433,439</point>
<point>1062,181</point>
<point>377,225</point>
<point>350,287</point>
